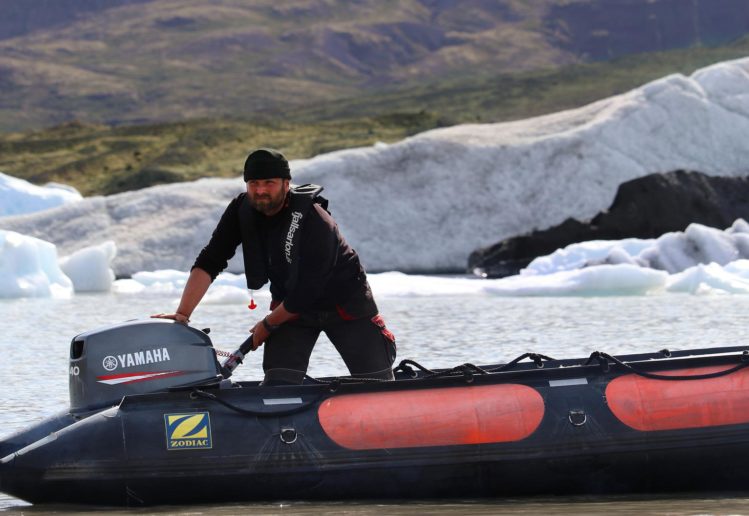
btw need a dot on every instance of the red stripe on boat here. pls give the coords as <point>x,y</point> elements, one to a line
<point>432,417</point>
<point>647,404</point>
<point>114,379</point>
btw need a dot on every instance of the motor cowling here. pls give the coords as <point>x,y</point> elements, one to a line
<point>138,357</point>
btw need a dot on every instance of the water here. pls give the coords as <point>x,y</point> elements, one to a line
<point>435,331</point>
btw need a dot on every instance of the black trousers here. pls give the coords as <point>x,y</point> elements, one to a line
<point>366,346</point>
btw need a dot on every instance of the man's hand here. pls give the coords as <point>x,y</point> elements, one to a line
<point>195,288</point>
<point>182,318</point>
<point>271,322</point>
<point>259,334</point>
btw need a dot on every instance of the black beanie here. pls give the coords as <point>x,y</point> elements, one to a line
<point>266,164</point>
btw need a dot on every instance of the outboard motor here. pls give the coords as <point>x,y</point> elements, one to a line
<point>138,357</point>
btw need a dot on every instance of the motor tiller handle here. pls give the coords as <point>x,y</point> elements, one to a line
<point>231,363</point>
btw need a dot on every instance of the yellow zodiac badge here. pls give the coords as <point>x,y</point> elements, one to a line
<point>189,431</point>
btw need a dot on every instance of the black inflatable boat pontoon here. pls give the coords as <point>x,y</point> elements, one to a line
<point>153,420</point>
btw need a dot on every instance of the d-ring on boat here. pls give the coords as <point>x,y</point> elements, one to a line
<point>154,419</point>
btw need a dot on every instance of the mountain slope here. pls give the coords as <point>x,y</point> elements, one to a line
<point>100,159</point>
<point>135,61</point>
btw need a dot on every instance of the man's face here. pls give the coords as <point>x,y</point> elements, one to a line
<point>267,195</point>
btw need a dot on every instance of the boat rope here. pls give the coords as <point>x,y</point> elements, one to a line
<point>603,361</point>
<point>468,371</point>
<point>537,358</point>
<point>405,366</point>
<point>335,382</point>
<point>333,386</point>
<point>198,393</point>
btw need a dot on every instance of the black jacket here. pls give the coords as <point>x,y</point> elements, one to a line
<point>326,276</point>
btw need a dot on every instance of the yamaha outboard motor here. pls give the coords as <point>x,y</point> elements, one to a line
<point>138,357</point>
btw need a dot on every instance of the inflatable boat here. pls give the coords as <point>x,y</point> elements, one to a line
<point>155,418</point>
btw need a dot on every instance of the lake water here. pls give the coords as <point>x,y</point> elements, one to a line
<point>436,331</point>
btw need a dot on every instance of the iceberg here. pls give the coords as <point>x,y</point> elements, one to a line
<point>425,203</point>
<point>18,197</point>
<point>29,268</point>
<point>89,268</point>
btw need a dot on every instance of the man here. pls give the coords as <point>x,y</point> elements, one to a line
<point>316,280</point>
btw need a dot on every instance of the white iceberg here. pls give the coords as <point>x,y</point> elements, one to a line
<point>29,268</point>
<point>19,197</point>
<point>89,268</point>
<point>425,203</point>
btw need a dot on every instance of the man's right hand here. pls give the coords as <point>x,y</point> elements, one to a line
<point>182,318</point>
<point>195,288</point>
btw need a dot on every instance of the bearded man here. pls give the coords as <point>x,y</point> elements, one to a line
<point>317,282</point>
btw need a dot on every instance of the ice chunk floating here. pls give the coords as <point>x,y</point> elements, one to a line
<point>30,267</point>
<point>18,196</point>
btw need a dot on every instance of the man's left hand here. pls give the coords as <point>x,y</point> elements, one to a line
<point>259,334</point>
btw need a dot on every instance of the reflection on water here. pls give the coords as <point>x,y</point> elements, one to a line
<point>534,506</point>
<point>435,331</point>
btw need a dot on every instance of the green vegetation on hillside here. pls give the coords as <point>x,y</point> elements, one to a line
<point>103,160</point>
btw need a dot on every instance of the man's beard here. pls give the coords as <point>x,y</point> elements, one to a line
<point>267,204</point>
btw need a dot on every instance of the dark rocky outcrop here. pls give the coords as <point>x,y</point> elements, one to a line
<point>646,207</point>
